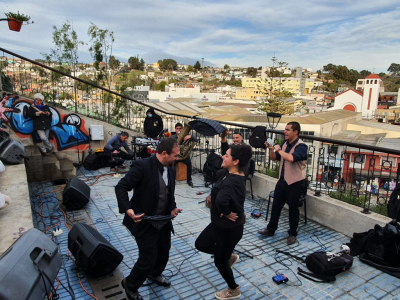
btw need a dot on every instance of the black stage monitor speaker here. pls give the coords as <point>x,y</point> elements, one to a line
<point>76,194</point>
<point>20,278</point>
<point>12,152</point>
<point>93,253</point>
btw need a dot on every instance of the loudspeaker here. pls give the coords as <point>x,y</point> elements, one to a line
<point>20,278</point>
<point>93,253</point>
<point>76,194</point>
<point>11,151</point>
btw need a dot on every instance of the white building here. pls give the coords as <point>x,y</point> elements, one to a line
<point>365,101</point>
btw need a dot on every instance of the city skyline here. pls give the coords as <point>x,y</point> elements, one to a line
<point>358,34</point>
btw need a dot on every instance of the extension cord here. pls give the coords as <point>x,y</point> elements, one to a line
<point>57,232</point>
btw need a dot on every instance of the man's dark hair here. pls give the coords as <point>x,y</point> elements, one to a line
<point>238,132</point>
<point>295,126</point>
<point>178,124</point>
<point>243,153</point>
<point>167,144</point>
<point>124,133</point>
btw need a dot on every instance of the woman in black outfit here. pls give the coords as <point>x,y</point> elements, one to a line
<point>221,236</point>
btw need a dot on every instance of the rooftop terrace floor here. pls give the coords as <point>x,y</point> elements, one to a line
<point>195,276</point>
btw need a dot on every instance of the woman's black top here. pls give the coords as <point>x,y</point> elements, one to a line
<point>228,195</point>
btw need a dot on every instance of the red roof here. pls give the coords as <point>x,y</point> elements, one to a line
<point>355,91</point>
<point>372,76</point>
<point>382,107</point>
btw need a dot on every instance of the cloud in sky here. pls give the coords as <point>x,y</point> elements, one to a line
<point>307,33</point>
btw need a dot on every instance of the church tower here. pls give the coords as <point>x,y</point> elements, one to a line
<point>370,96</point>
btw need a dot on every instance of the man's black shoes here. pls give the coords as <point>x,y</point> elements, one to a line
<point>131,295</point>
<point>190,183</point>
<point>160,280</point>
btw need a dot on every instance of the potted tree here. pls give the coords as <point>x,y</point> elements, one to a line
<point>15,20</point>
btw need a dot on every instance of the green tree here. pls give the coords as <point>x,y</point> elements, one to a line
<point>197,66</point>
<point>329,68</point>
<point>394,69</point>
<point>275,92</point>
<point>190,68</point>
<point>136,63</point>
<point>66,48</point>
<point>364,73</point>
<point>101,49</point>
<point>252,72</point>
<point>56,76</point>
<point>113,63</point>
<point>167,64</point>
<point>226,67</point>
<point>159,86</point>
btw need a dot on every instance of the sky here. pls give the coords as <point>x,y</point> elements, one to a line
<point>304,33</point>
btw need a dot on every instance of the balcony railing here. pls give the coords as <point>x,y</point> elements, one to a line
<point>355,173</point>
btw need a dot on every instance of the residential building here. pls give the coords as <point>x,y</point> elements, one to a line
<point>297,86</point>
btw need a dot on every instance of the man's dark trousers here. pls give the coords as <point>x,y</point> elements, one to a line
<point>123,155</point>
<point>152,243</point>
<point>291,194</point>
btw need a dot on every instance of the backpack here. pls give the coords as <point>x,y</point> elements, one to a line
<point>211,166</point>
<point>393,206</point>
<point>92,162</point>
<point>258,137</point>
<point>325,268</point>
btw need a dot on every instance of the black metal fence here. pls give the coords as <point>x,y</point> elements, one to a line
<point>358,174</point>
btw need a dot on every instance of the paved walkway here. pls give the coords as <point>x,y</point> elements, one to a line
<point>194,274</point>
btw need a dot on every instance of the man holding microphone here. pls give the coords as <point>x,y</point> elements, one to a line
<point>292,154</point>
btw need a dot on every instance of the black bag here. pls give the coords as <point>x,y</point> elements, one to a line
<point>211,167</point>
<point>324,268</point>
<point>92,162</point>
<point>258,137</point>
<point>366,258</point>
<point>393,206</point>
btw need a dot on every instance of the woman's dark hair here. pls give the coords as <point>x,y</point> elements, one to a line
<point>243,153</point>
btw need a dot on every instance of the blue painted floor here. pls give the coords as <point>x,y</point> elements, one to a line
<point>194,274</point>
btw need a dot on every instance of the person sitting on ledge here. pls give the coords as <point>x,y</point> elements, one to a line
<point>113,148</point>
<point>41,117</point>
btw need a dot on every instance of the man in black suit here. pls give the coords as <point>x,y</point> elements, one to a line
<point>153,181</point>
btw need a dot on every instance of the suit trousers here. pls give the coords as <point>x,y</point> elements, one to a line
<point>290,194</point>
<point>154,246</point>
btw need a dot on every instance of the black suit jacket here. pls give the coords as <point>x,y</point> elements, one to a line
<point>143,178</point>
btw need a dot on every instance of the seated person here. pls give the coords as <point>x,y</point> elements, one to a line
<point>113,148</point>
<point>41,116</point>
<point>187,161</point>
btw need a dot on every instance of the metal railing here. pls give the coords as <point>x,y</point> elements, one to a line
<point>358,174</point>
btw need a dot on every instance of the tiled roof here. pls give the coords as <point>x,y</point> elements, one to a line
<point>372,76</point>
<point>355,91</point>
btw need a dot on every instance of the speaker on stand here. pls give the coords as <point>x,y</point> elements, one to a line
<point>29,267</point>
<point>93,253</point>
<point>76,194</point>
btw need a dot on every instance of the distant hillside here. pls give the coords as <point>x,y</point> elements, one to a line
<point>391,84</point>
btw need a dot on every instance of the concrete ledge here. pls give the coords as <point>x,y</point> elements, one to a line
<point>16,218</point>
<point>340,216</point>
